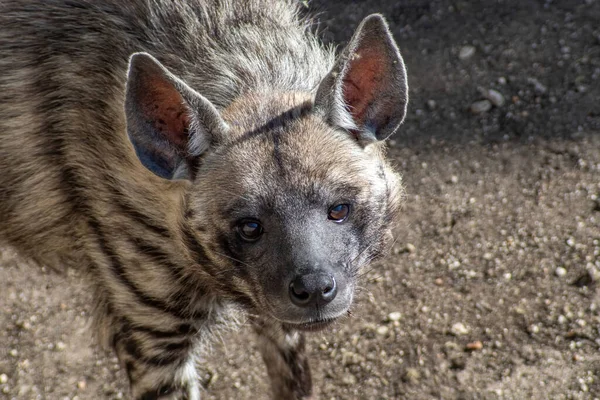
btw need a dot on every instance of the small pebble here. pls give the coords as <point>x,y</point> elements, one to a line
<point>60,346</point>
<point>481,106</point>
<point>349,380</point>
<point>537,85</point>
<point>13,352</point>
<point>466,52</point>
<point>474,346</point>
<point>394,316</point>
<point>431,104</point>
<point>412,375</point>
<point>459,329</point>
<point>383,330</point>
<point>560,272</point>
<point>3,378</point>
<point>25,325</point>
<point>81,385</point>
<point>495,97</point>
<point>439,281</point>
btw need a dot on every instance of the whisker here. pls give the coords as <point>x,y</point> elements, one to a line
<point>233,259</point>
<point>361,253</point>
<point>394,242</point>
<point>364,273</point>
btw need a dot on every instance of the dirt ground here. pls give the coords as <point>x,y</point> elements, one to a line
<point>491,290</point>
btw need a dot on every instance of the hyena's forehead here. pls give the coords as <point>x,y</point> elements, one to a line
<point>299,158</point>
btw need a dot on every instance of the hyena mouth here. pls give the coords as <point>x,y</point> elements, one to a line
<point>313,326</point>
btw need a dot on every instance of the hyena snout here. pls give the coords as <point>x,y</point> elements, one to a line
<point>316,289</point>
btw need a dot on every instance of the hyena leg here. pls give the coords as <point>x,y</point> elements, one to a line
<point>155,337</point>
<point>159,361</point>
<point>283,352</point>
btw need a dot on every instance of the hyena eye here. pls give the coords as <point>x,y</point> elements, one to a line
<point>250,230</point>
<point>339,213</point>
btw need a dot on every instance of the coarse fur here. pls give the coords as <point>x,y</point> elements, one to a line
<point>192,156</point>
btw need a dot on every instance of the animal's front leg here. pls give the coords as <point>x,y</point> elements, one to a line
<point>158,360</point>
<point>285,357</point>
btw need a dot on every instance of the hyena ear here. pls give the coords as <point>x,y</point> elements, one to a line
<point>169,124</point>
<point>366,92</point>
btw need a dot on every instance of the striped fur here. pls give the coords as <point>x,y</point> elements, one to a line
<point>163,255</point>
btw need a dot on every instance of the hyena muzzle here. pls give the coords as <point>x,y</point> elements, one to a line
<point>197,156</point>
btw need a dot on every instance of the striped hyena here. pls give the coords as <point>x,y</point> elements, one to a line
<point>195,156</point>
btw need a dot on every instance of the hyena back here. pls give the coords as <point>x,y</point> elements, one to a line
<point>193,156</point>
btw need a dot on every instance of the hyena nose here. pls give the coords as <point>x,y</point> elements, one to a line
<point>313,289</point>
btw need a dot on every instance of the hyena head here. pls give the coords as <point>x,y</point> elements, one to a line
<point>290,193</point>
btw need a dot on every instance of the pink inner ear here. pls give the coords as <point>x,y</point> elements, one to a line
<point>163,107</point>
<point>364,81</point>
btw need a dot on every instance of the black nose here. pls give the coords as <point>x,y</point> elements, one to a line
<point>313,289</point>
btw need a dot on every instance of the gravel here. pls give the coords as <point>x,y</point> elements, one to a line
<point>459,329</point>
<point>560,272</point>
<point>466,52</point>
<point>481,106</point>
<point>494,96</point>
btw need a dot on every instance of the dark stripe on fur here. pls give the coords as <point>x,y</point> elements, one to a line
<point>161,258</point>
<point>119,272</point>
<point>155,253</point>
<point>186,285</point>
<point>174,359</point>
<point>130,369</point>
<point>280,121</point>
<point>194,247</point>
<point>120,200</point>
<point>69,183</point>
<point>178,331</point>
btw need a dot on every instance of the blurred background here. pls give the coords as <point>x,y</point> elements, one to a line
<point>491,288</point>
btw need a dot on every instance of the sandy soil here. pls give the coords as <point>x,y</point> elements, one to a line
<point>491,288</point>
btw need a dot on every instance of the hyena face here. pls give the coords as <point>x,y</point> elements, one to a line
<point>294,207</point>
<point>290,191</point>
